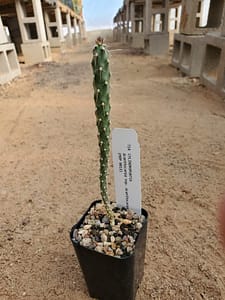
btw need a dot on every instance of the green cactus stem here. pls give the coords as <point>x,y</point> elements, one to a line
<point>100,66</point>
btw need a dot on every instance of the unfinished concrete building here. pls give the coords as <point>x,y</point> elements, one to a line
<point>148,24</point>
<point>196,28</point>
<point>29,29</point>
<point>198,18</point>
<point>199,49</point>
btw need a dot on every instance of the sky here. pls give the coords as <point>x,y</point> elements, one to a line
<point>100,13</point>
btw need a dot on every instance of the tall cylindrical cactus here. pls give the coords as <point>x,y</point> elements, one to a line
<point>100,66</point>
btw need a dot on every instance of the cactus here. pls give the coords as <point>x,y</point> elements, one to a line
<point>100,66</point>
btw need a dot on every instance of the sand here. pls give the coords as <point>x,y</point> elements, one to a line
<point>49,174</point>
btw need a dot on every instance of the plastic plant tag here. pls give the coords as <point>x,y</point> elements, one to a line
<point>127,174</point>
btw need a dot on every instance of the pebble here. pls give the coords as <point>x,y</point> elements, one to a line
<point>99,249</point>
<point>119,252</point>
<point>87,227</point>
<point>129,249</point>
<point>126,221</point>
<point>105,219</point>
<point>112,239</point>
<point>131,239</point>
<point>106,231</point>
<point>118,239</point>
<point>109,251</point>
<point>114,247</point>
<point>86,242</point>
<point>116,228</point>
<point>104,237</point>
<point>83,232</point>
<point>138,225</point>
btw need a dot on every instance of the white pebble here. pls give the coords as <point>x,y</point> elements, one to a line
<point>112,238</point>
<point>129,249</point>
<point>99,249</point>
<point>138,226</point>
<point>119,252</point>
<point>86,242</point>
<point>87,227</point>
<point>104,237</point>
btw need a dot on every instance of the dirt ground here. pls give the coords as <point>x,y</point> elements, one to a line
<point>49,175</point>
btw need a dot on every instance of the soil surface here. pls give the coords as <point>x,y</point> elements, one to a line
<point>49,174</point>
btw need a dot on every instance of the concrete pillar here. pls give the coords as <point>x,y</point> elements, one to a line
<point>37,19</point>
<point>127,17</point>
<point>120,28</point>
<point>74,24</point>
<point>174,22</point>
<point>79,30</point>
<point>52,30</point>
<point>69,37</point>
<point>132,17</point>
<point>58,17</point>
<point>35,46</point>
<point>83,26</point>
<point>156,39</point>
<point>148,8</point>
<point>223,24</point>
<point>82,29</point>
<point>68,21</point>
<point>138,25</point>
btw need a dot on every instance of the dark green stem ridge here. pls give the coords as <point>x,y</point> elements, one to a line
<point>101,72</point>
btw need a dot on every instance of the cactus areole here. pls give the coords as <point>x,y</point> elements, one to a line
<point>100,66</point>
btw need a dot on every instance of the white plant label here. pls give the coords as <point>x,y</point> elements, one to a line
<point>127,171</point>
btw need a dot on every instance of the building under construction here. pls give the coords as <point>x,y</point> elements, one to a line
<point>30,28</point>
<point>195,29</point>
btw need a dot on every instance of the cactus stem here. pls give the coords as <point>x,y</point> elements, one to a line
<point>100,66</point>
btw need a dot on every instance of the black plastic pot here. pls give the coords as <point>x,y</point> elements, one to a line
<point>108,277</point>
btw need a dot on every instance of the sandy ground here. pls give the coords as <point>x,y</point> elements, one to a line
<point>49,175</point>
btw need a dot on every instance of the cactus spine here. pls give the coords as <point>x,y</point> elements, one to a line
<point>100,66</point>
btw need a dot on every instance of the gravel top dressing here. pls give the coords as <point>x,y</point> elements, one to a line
<point>118,239</point>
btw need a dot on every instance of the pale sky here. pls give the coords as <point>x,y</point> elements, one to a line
<point>100,13</point>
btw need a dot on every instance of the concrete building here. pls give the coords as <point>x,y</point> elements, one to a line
<point>195,28</point>
<point>148,24</point>
<point>199,50</point>
<point>34,27</point>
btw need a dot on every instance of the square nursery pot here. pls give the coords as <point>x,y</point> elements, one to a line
<point>108,277</point>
